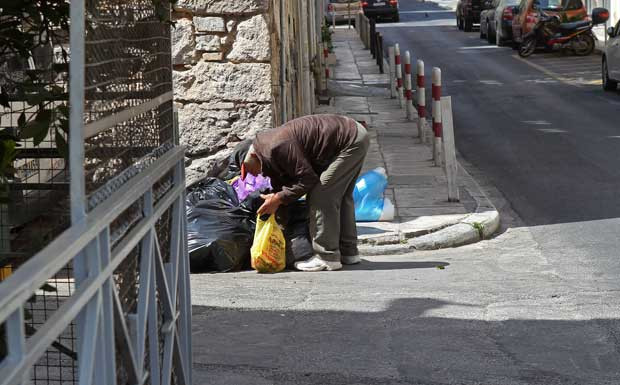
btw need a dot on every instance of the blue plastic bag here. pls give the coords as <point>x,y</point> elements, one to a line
<point>370,204</point>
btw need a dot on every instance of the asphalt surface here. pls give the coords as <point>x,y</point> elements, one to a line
<point>542,129</point>
<point>500,312</point>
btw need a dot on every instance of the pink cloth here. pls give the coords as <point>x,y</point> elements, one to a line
<point>251,183</point>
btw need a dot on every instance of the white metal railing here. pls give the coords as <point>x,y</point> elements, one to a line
<point>103,330</point>
<point>151,338</point>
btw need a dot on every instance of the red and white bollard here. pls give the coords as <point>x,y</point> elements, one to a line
<point>408,92</point>
<point>437,126</point>
<point>325,56</point>
<point>399,75</point>
<point>421,96</point>
<point>392,63</point>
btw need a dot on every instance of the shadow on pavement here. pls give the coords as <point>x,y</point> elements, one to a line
<point>368,265</point>
<point>413,341</point>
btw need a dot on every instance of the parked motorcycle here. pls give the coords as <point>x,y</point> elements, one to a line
<point>550,33</point>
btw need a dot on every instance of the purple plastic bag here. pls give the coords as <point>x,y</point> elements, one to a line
<point>251,183</point>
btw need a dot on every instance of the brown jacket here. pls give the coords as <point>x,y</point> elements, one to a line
<point>296,153</point>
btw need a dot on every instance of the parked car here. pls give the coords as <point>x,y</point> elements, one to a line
<point>468,14</point>
<point>526,15</point>
<point>381,9</point>
<point>497,21</point>
<point>342,10</point>
<point>488,9</point>
<point>611,59</point>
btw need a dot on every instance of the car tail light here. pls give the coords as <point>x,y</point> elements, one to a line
<point>330,7</point>
<point>507,14</point>
<point>364,4</point>
<point>393,3</point>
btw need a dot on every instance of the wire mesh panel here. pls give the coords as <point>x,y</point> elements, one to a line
<point>128,86</point>
<point>111,290</point>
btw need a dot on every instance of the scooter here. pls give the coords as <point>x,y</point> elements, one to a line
<point>550,33</point>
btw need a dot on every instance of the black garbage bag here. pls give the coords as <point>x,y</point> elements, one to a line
<point>297,233</point>
<point>220,231</point>
<point>212,188</point>
<point>219,236</point>
<point>235,159</point>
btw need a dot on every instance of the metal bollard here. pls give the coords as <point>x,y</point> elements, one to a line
<point>421,95</point>
<point>380,51</point>
<point>399,75</point>
<point>408,93</point>
<point>437,127</point>
<point>367,30</point>
<point>391,61</point>
<point>373,38</point>
<point>325,56</point>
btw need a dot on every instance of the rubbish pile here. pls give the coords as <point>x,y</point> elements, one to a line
<point>226,234</point>
<point>222,223</point>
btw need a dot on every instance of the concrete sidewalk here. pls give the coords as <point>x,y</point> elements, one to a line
<point>424,217</point>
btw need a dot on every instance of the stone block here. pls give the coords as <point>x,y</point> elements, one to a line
<point>209,24</point>
<point>182,42</point>
<point>252,41</point>
<point>212,81</point>
<point>207,130</point>
<point>230,7</point>
<point>230,25</point>
<point>213,56</point>
<point>208,43</point>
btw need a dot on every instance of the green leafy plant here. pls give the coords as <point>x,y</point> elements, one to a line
<point>480,228</point>
<point>326,37</point>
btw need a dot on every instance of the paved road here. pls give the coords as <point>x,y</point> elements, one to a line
<point>500,312</point>
<point>542,130</point>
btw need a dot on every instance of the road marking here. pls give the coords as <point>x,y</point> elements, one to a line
<point>551,130</point>
<point>491,82</point>
<point>548,72</point>
<point>537,122</point>
<point>435,11</point>
<point>481,47</point>
<point>614,137</point>
<point>542,81</point>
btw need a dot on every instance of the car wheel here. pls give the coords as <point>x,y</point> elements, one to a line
<point>608,84</point>
<point>490,37</point>
<point>469,24</point>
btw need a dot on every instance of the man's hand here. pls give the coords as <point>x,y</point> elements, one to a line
<point>272,202</point>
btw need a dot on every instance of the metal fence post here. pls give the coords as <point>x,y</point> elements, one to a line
<point>437,126</point>
<point>366,31</point>
<point>421,96</point>
<point>380,52</point>
<point>373,38</point>
<point>408,93</point>
<point>449,149</point>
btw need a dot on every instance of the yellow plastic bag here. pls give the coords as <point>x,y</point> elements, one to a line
<point>268,250</point>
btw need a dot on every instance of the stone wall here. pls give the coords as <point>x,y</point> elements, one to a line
<point>227,74</point>
<point>222,77</point>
